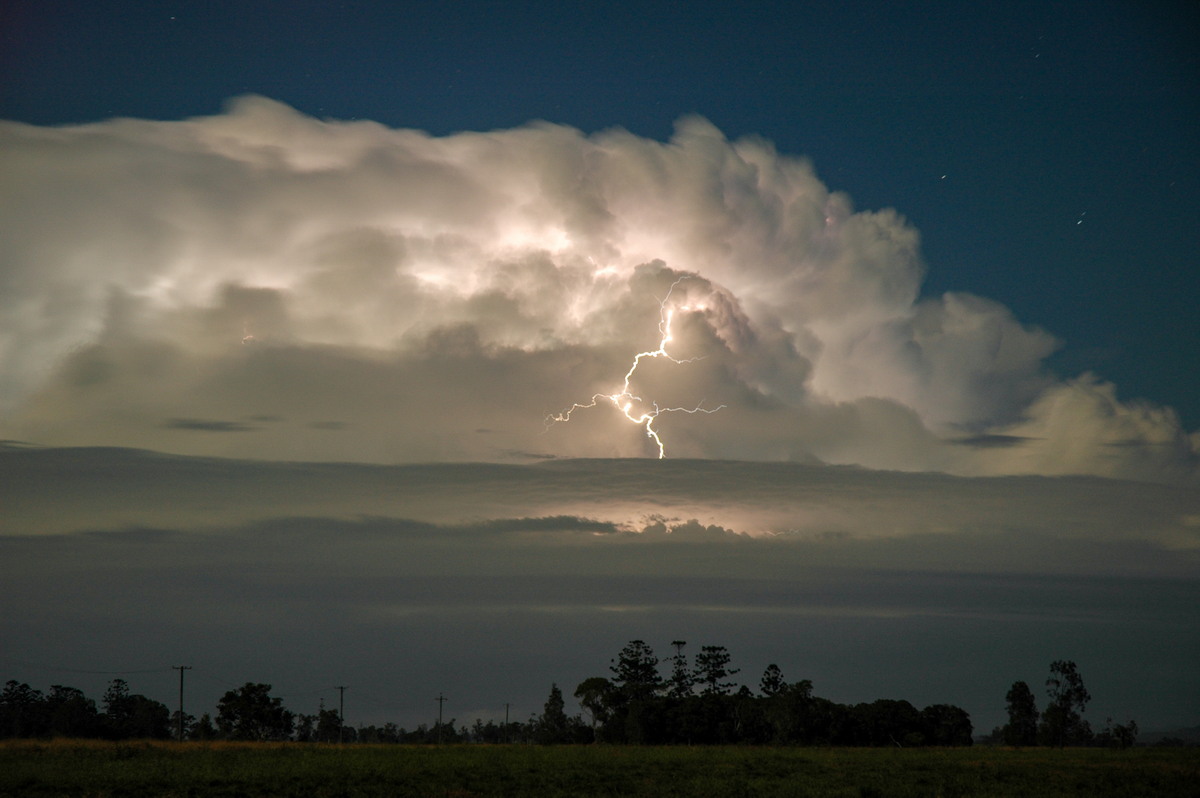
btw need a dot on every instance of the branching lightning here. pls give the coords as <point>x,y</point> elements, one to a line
<point>625,399</point>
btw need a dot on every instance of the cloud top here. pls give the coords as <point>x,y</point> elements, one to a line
<point>345,291</point>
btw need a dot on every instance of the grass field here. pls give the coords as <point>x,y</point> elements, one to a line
<point>85,768</point>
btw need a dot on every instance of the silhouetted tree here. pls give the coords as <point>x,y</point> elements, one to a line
<point>117,709</point>
<point>1117,736</point>
<point>150,719</point>
<point>887,722</point>
<point>250,713</point>
<point>204,729</point>
<point>681,682</point>
<point>595,695</point>
<point>772,682</point>
<point>1062,723</point>
<point>304,728</point>
<point>636,670</point>
<point>70,713</point>
<point>749,724</point>
<point>329,726</point>
<point>635,715</point>
<point>831,723</point>
<point>1125,736</point>
<point>22,711</point>
<point>1022,726</point>
<point>789,710</point>
<point>712,669</point>
<point>490,732</point>
<point>188,722</point>
<point>129,716</point>
<point>552,726</point>
<point>641,721</point>
<point>390,733</point>
<point>947,725</point>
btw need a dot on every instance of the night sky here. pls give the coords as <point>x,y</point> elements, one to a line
<point>1065,132</point>
<point>296,300</point>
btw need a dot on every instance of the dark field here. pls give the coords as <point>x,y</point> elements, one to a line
<point>76,768</point>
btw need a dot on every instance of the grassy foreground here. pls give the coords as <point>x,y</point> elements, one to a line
<point>86,768</point>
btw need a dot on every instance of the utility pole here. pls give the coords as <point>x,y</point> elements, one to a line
<point>506,706</point>
<point>181,669</point>
<point>341,711</point>
<point>441,699</point>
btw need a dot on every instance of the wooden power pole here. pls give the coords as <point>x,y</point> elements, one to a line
<point>181,669</point>
<point>341,712</point>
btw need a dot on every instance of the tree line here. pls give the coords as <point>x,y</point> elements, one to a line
<point>696,702</point>
<point>248,713</point>
<point>1061,723</point>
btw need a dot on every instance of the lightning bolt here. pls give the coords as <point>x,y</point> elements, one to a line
<point>624,400</point>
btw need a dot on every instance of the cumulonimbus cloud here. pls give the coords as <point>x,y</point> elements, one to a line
<point>342,290</point>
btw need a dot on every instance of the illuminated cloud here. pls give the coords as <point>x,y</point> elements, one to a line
<point>345,291</point>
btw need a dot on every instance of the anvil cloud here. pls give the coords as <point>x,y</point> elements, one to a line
<point>264,284</point>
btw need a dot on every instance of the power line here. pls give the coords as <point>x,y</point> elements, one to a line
<point>379,702</point>
<point>43,666</point>
<point>305,693</point>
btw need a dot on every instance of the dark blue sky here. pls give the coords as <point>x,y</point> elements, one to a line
<point>1066,133</point>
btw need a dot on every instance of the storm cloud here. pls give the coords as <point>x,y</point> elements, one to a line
<point>387,296</point>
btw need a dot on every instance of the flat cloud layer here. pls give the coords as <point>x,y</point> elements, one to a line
<point>489,581</point>
<point>264,284</point>
<point>64,491</point>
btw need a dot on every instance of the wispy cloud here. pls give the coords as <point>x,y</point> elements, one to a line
<point>207,425</point>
